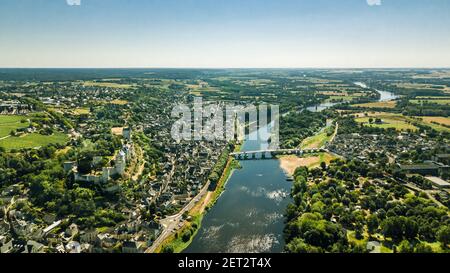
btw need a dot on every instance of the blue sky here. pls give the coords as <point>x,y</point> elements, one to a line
<point>224,33</point>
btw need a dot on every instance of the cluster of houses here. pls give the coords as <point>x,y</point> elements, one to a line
<point>181,173</point>
<point>432,170</point>
<point>363,147</point>
<point>14,107</point>
<point>131,237</point>
<point>185,166</point>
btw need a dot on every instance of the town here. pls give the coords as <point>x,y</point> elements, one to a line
<point>91,165</point>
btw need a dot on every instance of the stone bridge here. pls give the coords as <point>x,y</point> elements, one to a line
<point>270,153</point>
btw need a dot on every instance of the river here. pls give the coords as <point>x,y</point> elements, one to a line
<point>384,96</point>
<point>248,216</point>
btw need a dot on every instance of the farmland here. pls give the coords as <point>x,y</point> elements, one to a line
<point>387,120</point>
<point>381,104</point>
<point>33,140</point>
<point>107,84</point>
<point>401,122</point>
<point>433,101</point>
<point>10,123</point>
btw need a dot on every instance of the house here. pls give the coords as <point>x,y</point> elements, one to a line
<point>89,236</point>
<point>126,133</point>
<point>33,247</point>
<point>7,247</point>
<point>130,247</point>
<point>73,247</point>
<point>51,227</point>
<point>69,166</point>
<point>72,230</point>
<point>438,182</point>
<point>442,158</point>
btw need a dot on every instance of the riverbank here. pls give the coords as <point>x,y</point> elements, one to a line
<point>290,163</point>
<point>183,237</point>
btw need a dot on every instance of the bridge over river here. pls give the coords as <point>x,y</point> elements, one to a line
<point>270,153</point>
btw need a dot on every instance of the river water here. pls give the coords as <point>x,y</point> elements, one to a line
<point>248,216</point>
<point>384,96</point>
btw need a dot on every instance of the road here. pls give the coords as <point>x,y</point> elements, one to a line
<point>334,134</point>
<point>427,192</point>
<point>170,224</point>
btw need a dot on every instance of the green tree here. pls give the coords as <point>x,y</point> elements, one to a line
<point>443,236</point>
<point>405,247</point>
<point>372,223</point>
<point>423,248</point>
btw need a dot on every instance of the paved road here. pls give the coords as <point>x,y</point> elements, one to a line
<point>170,224</point>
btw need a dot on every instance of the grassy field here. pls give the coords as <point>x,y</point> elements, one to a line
<point>432,97</point>
<point>119,102</point>
<point>107,84</point>
<point>388,121</point>
<point>9,123</point>
<point>315,141</point>
<point>322,157</point>
<point>81,111</point>
<point>441,102</point>
<point>424,86</point>
<point>33,140</point>
<point>380,104</point>
<point>341,97</point>
<point>437,123</point>
<point>440,120</point>
<point>401,122</point>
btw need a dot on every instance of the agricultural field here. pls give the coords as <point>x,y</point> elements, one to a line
<point>400,122</point>
<point>397,122</point>
<point>341,98</point>
<point>200,87</point>
<point>433,75</point>
<point>380,104</point>
<point>440,120</point>
<point>119,102</point>
<point>107,84</point>
<point>428,101</point>
<point>437,123</point>
<point>10,123</point>
<point>432,97</point>
<point>81,111</point>
<point>33,140</point>
<point>424,86</point>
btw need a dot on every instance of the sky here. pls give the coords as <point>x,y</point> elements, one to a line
<point>225,33</point>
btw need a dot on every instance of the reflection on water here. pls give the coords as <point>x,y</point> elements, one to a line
<point>386,96</point>
<point>248,217</point>
<point>321,107</point>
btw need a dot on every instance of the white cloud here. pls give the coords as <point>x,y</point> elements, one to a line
<point>73,2</point>
<point>374,2</point>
